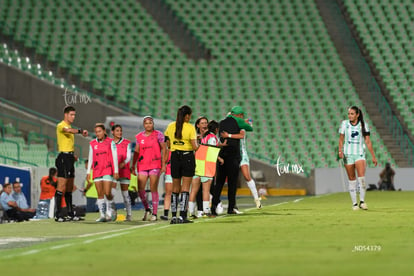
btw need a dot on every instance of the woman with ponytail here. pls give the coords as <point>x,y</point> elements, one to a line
<point>103,160</point>
<point>353,136</point>
<point>48,185</point>
<point>182,141</point>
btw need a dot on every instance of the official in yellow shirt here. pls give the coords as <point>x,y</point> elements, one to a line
<point>182,141</point>
<point>65,162</point>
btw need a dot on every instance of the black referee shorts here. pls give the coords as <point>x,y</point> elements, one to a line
<point>182,164</point>
<point>65,164</point>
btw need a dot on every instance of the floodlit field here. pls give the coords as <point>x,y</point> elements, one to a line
<point>289,236</point>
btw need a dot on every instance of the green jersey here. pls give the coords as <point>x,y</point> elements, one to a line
<point>354,142</point>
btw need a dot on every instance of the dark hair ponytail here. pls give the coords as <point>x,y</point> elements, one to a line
<point>181,113</point>
<point>52,172</point>
<point>212,126</point>
<point>360,119</point>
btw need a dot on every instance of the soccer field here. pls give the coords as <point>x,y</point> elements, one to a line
<point>290,236</point>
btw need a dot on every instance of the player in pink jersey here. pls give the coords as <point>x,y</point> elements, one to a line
<point>104,162</point>
<point>209,138</point>
<point>201,128</point>
<point>150,154</point>
<point>123,148</point>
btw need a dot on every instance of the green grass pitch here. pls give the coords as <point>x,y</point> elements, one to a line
<point>290,236</point>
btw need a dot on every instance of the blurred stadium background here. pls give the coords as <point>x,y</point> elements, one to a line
<point>293,65</point>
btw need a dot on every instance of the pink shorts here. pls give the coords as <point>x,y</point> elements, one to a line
<point>150,172</point>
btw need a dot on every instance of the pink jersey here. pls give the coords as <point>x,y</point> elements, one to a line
<point>123,149</point>
<point>213,142</point>
<point>103,157</point>
<point>149,156</point>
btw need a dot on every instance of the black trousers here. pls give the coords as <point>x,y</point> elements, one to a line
<point>230,170</point>
<point>14,214</point>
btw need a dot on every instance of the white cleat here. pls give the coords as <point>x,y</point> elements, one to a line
<point>101,219</point>
<point>200,214</point>
<point>147,215</point>
<point>236,212</point>
<point>258,203</point>
<point>219,209</point>
<point>355,207</point>
<point>363,206</point>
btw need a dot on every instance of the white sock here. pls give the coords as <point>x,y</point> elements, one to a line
<point>191,207</point>
<point>101,207</point>
<point>127,202</point>
<point>252,186</point>
<point>109,207</point>
<point>113,192</point>
<point>352,191</point>
<point>206,207</point>
<point>362,188</point>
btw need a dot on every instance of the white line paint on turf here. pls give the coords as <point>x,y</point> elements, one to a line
<point>162,227</point>
<point>106,237</point>
<point>55,247</point>
<point>31,252</point>
<point>273,205</point>
<point>297,200</point>
<point>113,231</point>
<point>60,246</point>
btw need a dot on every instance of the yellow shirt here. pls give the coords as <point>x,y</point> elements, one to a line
<point>65,140</point>
<point>188,134</point>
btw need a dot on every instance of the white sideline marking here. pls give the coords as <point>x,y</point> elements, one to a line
<point>30,252</point>
<point>297,200</point>
<point>162,227</point>
<point>113,231</point>
<point>60,246</point>
<point>124,230</point>
<point>106,237</point>
<point>55,247</point>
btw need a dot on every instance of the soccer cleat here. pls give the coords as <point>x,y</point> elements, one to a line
<point>199,214</point>
<point>186,221</point>
<point>219,209</point>
<point>193,216</point>
<point>154,218</point>
<point>128,218</point>
<point>363,205</point>
<point>146,215</point>
<point>355,207</point>
<point>114,216</point>
<point>60,219</point>
<point>258,203</point>
<point>101,219</point>
<point>164,217</point>
<point>173,220</point>
<point>210,215</point>
<point>235,212</point>
<point>76,218</point>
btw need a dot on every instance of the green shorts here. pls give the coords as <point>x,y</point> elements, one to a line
<point>123,181</point>
<point>104,178</point>
<point>205,179</point>
<point>350,159</point>
<point>168,178</point>
<point>245,160</point>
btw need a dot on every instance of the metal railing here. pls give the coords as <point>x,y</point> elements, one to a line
<point>17,161</point>
<point>29,46</point>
